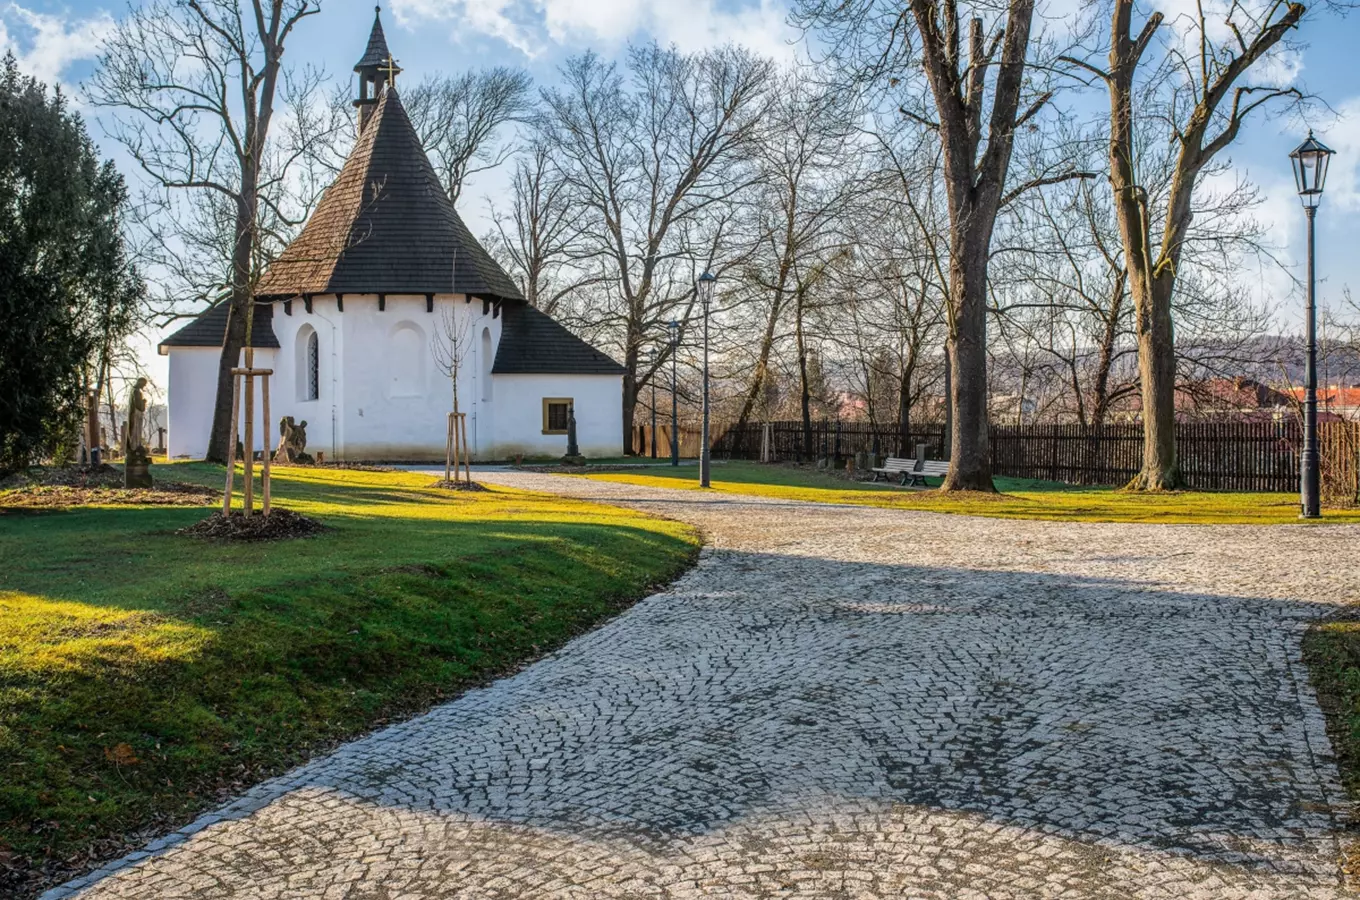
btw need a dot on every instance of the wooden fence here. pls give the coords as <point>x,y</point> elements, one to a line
<point>691,439</point>
<point>1339,449</point>
<point>1235,456</point>
<point>1229,456</point>
<point>831,438</point>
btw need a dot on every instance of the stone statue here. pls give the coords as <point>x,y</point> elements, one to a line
<point>136,459</point>
<point>292,442</point>
<point>573,457</point>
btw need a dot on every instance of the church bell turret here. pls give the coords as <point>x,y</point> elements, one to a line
<point>375,69</point>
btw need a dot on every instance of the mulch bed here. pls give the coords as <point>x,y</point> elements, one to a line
<point>458,485</point>
<point>58,496</point>
<point>65,476</point>
<point>279,525</point>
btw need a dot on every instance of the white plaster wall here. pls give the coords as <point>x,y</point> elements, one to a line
<point>598,401</point>
<point>383,394</point>
<point>322,414</point>
<point>192,391</point>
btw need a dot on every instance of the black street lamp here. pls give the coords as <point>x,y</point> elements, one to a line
<point>1310,162</point>
<point>651,366</point>
<point>705,288</point>
<point>674,331</point>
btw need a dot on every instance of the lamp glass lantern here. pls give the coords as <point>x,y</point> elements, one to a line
<point>1310,161</point>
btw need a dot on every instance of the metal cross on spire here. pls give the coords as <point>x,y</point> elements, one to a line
<point>391,70</point>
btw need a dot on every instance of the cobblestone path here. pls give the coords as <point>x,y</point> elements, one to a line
<point>848,702</point>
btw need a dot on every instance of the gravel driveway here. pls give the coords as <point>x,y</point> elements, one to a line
<point>849,702</point>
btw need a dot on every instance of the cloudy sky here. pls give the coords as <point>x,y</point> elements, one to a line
<point>58,42</point>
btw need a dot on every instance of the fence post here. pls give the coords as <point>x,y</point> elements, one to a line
<point>1053,453</point>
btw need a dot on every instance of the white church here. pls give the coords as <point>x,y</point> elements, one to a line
<point>356,316</point>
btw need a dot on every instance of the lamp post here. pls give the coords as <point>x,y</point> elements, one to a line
<point>651,365</point>
<point>674,331</point>
<point>705,288</point>
<point>1310,162</point>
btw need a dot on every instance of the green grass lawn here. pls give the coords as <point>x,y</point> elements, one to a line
<point>1018,498</point>
<point>1331,650</point>
<point>145,675</point>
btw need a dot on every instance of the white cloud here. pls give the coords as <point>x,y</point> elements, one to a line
<point>46,45</point>
<point>1281,67</point>
<point>1343,136</point>
<point>534,27</point>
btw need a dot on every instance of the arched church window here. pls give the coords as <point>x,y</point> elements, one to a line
<point>308,364</point>
<point>313,367</point>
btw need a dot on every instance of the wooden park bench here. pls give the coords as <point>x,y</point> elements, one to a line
<point>912,471</point>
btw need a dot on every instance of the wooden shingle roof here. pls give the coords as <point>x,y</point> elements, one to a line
<point>376,53</point>
<point>385,226</point>
<point>534,343</point>
<point>210,327</point>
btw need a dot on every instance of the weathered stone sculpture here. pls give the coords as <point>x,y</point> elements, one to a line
<point>292,442</point>
<point>573,457</point>
<point>136,459</point>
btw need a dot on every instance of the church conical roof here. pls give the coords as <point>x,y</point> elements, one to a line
<point>385,226</point>
<point>376,54</point>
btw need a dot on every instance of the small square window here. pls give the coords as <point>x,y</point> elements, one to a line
<point>555,413</point>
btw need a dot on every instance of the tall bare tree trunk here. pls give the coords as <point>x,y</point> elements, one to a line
<point>241,315</point>
<point>970,458</point>
<point>1150,284</point>
<point>1157,372</point>
<point>758,378</point>
<point>1100,390</point>
<point>904,410</point>
<point>805,400</point>
<point>1152,264</point>
<point>630,396</point>
<point>975,175</point>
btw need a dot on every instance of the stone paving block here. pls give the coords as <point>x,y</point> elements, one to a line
<point>848,702</point>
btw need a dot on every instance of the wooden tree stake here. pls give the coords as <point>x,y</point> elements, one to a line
<point>231,444</point>
<point>448,449</point>
<point>243,378</point>
<point>467,454</point>
<point>268,440</point>
<point>249,447</point>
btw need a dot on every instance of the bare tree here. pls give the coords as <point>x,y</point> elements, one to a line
<point>1204,102</point>
<point>974,61</point>
<point>194,88</point>
<point>907,265</point>
<point>1068,300</point>
<point>460,119</point>
<point>540,237</point>
<point>451,345</point>
<point>654,156</point>
<point>808,175</point>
